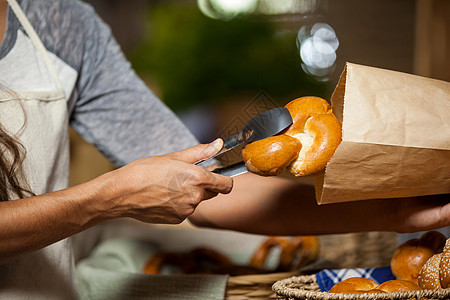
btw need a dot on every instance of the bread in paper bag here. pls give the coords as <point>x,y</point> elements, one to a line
<point>395,137</point>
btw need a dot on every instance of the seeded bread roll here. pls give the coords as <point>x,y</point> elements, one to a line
<point>435,274</point>
<point>429,274</point>
<point>444,266</point>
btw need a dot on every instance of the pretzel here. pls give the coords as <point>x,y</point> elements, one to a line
<point>199,260</point>
<point>295,252</point>
<point>304,148</point>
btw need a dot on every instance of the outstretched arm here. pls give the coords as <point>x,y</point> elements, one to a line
<point>278,206</point>
<point>160,189</point>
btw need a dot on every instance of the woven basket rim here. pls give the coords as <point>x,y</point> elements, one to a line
<point>282,288</point>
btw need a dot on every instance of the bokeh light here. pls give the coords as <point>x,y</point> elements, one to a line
<point>229,9</point>
<point>226,9</point>
<point>272,7</point>
<point>317,45</point>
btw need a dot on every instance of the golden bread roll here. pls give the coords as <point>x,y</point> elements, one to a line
<point>409,258</point>
<point>354,285</point>
<point>398,286</point>
<point>271,156</point>
<point>444,266</point>
<point>359,285</point>
<point>429,274</point>
<point>318,132</point>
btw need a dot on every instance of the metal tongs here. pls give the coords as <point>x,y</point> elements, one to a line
<point>262,126</point>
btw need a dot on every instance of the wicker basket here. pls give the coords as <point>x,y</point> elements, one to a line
<point>337,251</point>
<point>259,286</point>
<point>255,287</point>
<point>306,287</point>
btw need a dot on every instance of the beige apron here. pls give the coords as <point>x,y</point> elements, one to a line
<point>39,119</point>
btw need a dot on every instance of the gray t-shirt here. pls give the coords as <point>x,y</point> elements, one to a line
<point>108,106</point>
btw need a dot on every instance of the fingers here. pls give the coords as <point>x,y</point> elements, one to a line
<point>208,195</point>
<point>199,152</point>
<point>205,184</point>
<point>218,183</point>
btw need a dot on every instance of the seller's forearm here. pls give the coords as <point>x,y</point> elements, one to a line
<point>161,189</point>
<point>33,223</point>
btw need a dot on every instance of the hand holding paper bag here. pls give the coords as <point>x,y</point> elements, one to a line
<point>395,137</point>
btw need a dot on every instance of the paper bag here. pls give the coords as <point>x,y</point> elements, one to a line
<point>395,137</point>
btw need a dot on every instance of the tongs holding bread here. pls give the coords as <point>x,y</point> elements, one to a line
<point>304,148</point>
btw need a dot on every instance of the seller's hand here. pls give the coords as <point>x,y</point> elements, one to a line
<point>166,188</point>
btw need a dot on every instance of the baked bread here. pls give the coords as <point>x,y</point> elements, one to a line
<point>409,258</point>
<point>398,286</point>
<point>435,273</point>
<point>271,156</point>
<point>318,132</point>
<point>199,260</point>
<point>359,285</point>
<point>354,285</point>
<point>295,252</point>
<point>429,274</point>
<point>444,266</point>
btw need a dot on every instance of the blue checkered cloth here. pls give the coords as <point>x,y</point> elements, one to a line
<point>327,278</point>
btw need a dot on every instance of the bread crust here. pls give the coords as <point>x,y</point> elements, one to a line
<point>360,285</point>
<point>429,274</point>
<point>271,156</point>
<point>444,266</point>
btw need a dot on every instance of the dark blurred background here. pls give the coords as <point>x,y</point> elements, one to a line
<point>216,63</point>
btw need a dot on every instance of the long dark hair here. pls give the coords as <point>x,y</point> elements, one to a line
<point>12,155</point>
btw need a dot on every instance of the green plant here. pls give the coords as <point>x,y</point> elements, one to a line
<point>196,60</point>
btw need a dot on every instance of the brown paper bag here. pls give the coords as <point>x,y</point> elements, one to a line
<point>395,137</point>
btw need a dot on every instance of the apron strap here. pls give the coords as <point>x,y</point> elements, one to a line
<point>34,39</point>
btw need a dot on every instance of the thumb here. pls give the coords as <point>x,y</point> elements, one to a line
<point>200,152</point>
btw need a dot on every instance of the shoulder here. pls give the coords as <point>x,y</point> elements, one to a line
<point>46,10</point>
<point>65,26</point>
<point>57,12</point>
